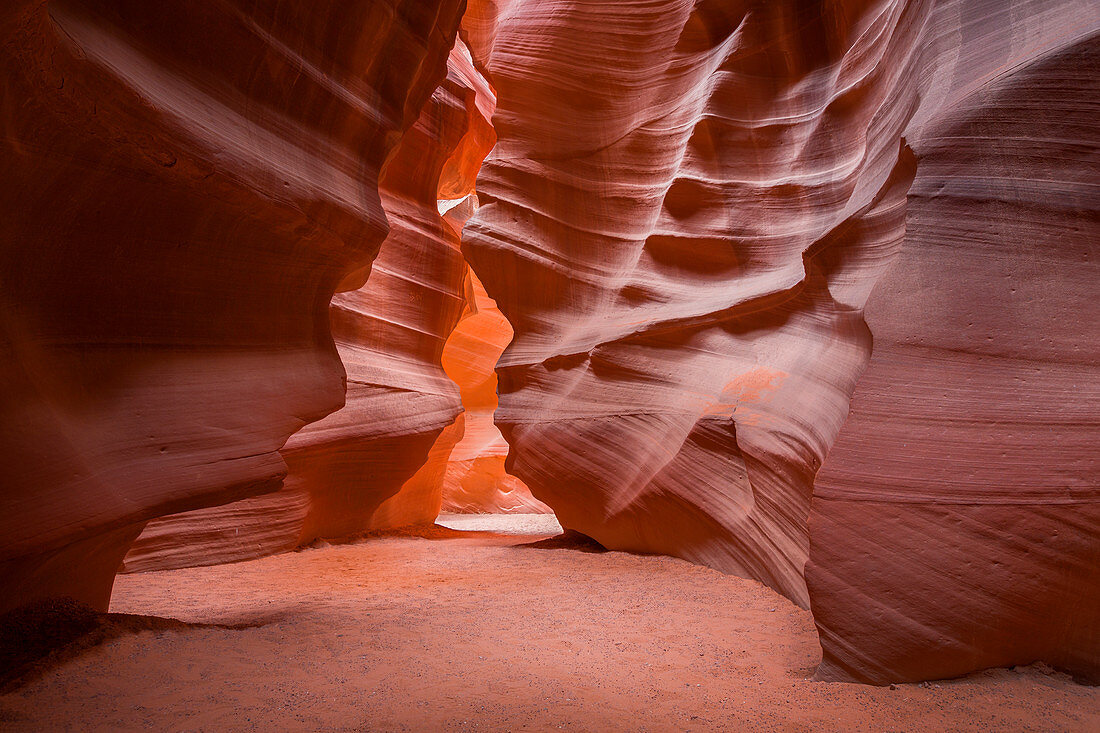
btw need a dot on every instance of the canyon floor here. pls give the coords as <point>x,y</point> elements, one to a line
<point>465,628</point>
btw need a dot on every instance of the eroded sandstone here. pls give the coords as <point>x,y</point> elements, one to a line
<point>800,291</point>
<point>705,220</point>
<point>380,461</point>
<point>185,185</point>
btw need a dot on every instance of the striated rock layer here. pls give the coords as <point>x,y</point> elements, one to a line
<point>185,185</point>
<point>685,343</point>
<point>956,523</point>
<point>799,290</point>
<point>684,220</point>
<point>380,461</point>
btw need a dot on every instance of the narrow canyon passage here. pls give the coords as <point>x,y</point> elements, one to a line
<point>539,364</point>
<point>455,630</point>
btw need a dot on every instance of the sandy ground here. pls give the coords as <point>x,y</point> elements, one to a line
<point>544,525</point>
<point>467,631</point>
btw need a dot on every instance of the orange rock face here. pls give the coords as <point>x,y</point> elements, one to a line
<point>391,332</point>
<point>684,221</point>
<point>185,185</point>
<point>475,479</point>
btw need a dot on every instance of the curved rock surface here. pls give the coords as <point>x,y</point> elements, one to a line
<point>685,345</point>
<point>799,290</point>
<point>956,523</point>
<point>688,209</point>
<point>380,461</point>
<point>185,185</point>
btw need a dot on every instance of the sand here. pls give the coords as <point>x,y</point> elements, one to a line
<point>458,630</point>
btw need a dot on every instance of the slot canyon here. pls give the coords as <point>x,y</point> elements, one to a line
<point>640,365</point>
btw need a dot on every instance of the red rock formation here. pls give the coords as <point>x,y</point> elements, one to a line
<point>391,332</point>
<point>686,213</point>
<point>956,523</point>
<point>657,226</point>
<point>185,185</point>
<point>705,220</point>
<point>354,470</point>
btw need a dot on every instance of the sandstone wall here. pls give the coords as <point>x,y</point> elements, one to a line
<point>705,220</point>
<point>802,291</point>
<point>353,471</point>
<point>185,185</point>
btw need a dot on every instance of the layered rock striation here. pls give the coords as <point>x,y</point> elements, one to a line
<point>705,220</point>
<point>956,522</point>
<point>797,290</point>
<point>185,186</point>
<point>687,329</point>
<point>379,462</point>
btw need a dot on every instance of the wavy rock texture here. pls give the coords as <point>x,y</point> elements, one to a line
<point>716,227</point>
<point>956,523</point>
<point>688,208</point>
<point>379,462</point>
<point>659,225</point>
<point>185,185</point>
